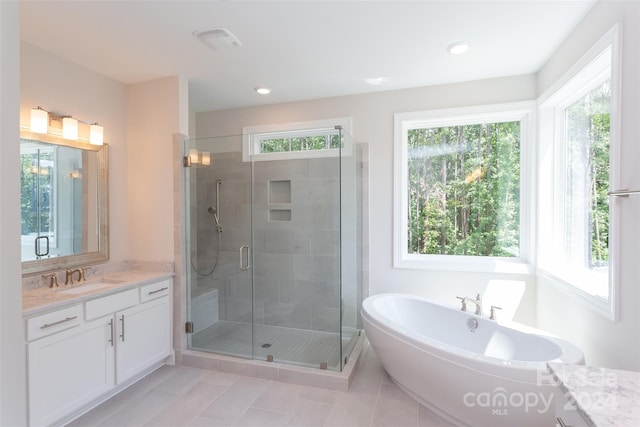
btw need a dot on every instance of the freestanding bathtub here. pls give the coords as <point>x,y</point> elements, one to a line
<point>470,370</point>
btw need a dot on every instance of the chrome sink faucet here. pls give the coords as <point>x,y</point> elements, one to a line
<point>69,277</point>
<point>477,302</point>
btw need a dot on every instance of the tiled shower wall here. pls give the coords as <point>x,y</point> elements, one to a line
<point>296,240</point>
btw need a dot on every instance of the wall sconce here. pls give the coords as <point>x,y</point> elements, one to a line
<point>205,158</point>
<point>197,158</point>
<point>41,118</point>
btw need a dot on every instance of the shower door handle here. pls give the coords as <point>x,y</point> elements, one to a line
<point>245,259</point>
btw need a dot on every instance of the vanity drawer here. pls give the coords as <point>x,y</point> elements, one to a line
<point>56,321</point>
<point>110,304</point>
<point>155,290</point>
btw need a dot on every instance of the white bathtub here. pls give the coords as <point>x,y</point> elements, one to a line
<point>493,375</point>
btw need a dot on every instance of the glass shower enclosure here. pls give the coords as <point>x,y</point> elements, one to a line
<point>274,253</point>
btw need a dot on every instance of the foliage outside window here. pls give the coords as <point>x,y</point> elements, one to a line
<point>459,186</point>
<point>299,140</point>
<point>463,187</point>
<point>318,140</point>
<point>577,222</point>
<point>37,192</point>
<point>587,178</point>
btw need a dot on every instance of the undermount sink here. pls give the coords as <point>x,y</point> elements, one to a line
<point>91,286</point>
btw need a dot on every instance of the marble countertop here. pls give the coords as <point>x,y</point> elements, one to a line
<point>42,299</point>
<point>603,397</point>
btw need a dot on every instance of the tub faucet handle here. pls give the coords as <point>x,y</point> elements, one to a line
<point>492,314</point>
<point>53,280</point>
<point>463,300</point>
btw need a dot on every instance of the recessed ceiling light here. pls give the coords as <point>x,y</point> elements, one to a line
<point>375,81</point>
<point>263,90</point>
<point>458,48</point>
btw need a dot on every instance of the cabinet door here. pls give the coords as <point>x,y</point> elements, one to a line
<point>144,337</point>
<point>69,369</point>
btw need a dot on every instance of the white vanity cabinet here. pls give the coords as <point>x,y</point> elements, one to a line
<point>81,353</point>
<point>144,333</point>
<point>69,369</point>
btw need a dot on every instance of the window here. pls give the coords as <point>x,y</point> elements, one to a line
<point>459,188</point>
<point>578,143</point>
<point>318,138</point>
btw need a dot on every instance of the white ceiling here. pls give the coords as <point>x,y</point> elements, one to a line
<point>301,49</point>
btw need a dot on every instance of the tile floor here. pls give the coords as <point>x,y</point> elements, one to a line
<point>183,396</point>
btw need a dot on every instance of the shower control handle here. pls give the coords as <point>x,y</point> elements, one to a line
<point>245,259</point>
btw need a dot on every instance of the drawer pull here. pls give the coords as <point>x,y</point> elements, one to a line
<point>111,334</point>
<point>158,290</point>
<point>122,329</point>
<point>48,325</point>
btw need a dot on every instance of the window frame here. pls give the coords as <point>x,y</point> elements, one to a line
<point>519,111</point>
<point>253,135</point>
<point>574,84</point>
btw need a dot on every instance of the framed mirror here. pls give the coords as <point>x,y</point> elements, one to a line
<point>64,198</point>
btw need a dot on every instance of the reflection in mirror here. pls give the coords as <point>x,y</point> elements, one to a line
<point>63,202</point>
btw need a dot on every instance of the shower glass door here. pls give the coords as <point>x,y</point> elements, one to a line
<point>220,291</point>
<point>274,247</point>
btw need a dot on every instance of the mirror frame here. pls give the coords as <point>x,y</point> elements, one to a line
<point>102,254</point>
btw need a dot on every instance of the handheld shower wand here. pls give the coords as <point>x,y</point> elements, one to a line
<point>215,211</point>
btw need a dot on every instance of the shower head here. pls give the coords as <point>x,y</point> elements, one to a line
<point>212,210</point>
<point>218,181</point>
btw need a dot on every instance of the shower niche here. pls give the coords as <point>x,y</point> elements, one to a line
<point>285,272</point>
<point>279,194</point>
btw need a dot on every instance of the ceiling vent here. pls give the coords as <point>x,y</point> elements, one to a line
<point>215,38</point>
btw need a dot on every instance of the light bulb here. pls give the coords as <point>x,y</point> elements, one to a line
<point>39,120</point>
<point>69,128</point>
<point>96,133</point>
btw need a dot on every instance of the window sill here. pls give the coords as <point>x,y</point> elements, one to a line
<point>606,308</point>
<point>464,263</point>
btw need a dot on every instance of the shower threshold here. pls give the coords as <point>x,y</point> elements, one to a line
<point>299,347</point>
<point>277,371</point>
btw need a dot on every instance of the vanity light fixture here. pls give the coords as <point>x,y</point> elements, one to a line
<point>458,47</point>
<point>70,128</point>
<point>41,118</point>
<point>263,90</point>
<point>96,133</point>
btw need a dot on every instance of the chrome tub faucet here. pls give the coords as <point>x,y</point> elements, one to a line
<point>477,301</point>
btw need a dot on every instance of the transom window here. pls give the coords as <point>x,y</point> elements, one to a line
<point>315,139</point>
<point>458,186</point>
<point>312,139</point>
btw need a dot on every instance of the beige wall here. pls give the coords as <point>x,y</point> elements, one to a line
<point>373,123</point>
<point>605,342</point>
<point>67,88</point>
<point>154,116</point>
